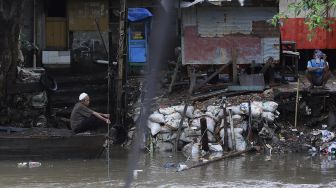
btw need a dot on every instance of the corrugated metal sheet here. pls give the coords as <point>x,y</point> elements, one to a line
<point>217,50</point>
<point>264,29</point>
<point>189,16</point>
<point>295,29</point>
<point>220,21</point>
<point>270,49</point>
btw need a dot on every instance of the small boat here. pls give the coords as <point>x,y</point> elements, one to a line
<point>39,143</point>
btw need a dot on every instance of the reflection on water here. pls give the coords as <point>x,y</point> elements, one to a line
<point>253,170</point>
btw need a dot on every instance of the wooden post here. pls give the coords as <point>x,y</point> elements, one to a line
<point>297,102</point>
<point>234,65</point>
<point>233,154</point>
<point>173,78</point>
<point>180,126</point>
<point>121,62</point>
<point>226,140</point>
<point>204,133</point>
<point>233,140</point>
<point>253,64</point>
<point>192,79</point>
<point>249,129</point>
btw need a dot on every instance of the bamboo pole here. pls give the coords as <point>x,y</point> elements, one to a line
<point>297,102</point>
<point>230,155</point>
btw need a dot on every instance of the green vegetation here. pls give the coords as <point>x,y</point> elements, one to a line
<point>315,13</point>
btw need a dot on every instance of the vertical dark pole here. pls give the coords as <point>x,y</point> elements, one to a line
<point>204,139</point>
<point>226,140</point>
<point>249,129</point>
<point>234,65</point>
<point>120,60</point>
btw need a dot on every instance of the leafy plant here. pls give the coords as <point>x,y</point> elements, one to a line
<point>315,13</point>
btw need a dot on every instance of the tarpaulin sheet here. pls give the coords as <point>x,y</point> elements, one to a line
<point>136,14</point>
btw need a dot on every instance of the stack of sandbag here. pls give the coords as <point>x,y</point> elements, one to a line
<point>164,123</point>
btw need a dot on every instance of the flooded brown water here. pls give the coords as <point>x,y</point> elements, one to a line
<point>290,170</point>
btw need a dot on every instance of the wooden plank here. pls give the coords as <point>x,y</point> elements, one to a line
<point>212,75</point>
<point>246,88</point>
<point>234,65</point>
<point>230,155</point>
<point>173,78</point>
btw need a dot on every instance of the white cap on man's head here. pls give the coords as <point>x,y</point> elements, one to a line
<point>82,96</point>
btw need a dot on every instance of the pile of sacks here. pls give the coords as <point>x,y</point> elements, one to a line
<point>164,123</point>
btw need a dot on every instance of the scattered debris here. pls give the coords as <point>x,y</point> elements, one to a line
<point>29,164</point>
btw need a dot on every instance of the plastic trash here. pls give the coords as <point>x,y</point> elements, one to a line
<point>181,167</point>
<point>135,173</point>
<point>170,165</point>
<point>327,135</point>
<point>30,164</point>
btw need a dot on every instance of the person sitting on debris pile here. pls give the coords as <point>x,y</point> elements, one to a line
<point>318,70</point>
<point>84,119</point>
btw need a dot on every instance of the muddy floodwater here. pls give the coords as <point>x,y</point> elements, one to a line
<point>252,170</point>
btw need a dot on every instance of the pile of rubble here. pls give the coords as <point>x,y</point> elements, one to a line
<point>163,125</point>
<point>25,110</point>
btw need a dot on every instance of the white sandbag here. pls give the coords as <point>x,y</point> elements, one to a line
<point>167,111</point>
<point>216,111</point>
<point>235,110</point>
<point>270,106</point>
<point>215,147</point>
<point>237,117</point>
<point>211,137</point>
<point>256,108</point>
<point>184,137</point>
<point>196,123</point>
<point>174,124</point>
<point>189,112</point>
<point>268,116</point>
<point>192,132</point>
<point>195,149</point>
<point>157,118</point>
<point>173,120</point>
<point>239,139</point>
<point>164,146</point>
<point>165,129</point>
<point>197,113</point>
<point>172,117</point>
<point>210,124</point>
<point>154,127</point>
<point>209,114</point>
<point>167,137</point>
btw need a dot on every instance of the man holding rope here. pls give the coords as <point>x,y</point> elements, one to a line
<point>84,119</point>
